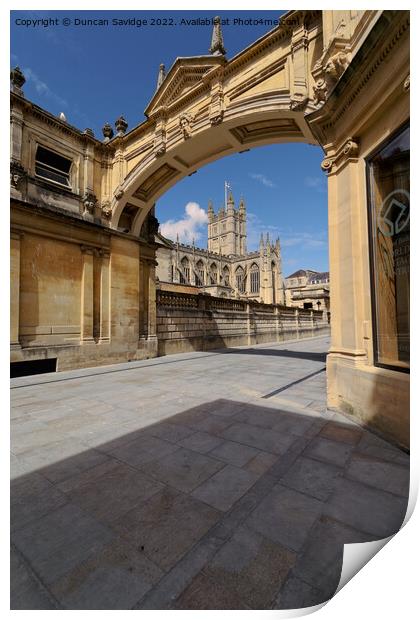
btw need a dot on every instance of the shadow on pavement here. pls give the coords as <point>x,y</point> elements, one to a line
<point>227,505</point>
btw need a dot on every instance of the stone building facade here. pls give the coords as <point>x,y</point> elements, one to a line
<point>225,268</point>
<point>309,290</point>
<point>83,286</point>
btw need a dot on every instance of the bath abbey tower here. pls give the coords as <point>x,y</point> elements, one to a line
<point>225,268</point>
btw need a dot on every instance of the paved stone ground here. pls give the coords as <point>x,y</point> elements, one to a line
<point>196,481</point>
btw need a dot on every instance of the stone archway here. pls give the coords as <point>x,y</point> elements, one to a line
<point>207,107</point>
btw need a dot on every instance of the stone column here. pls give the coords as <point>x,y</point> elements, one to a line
<point>151,314</point>
<point>86,305</point>
<point>15,288</point>
<point>104,321</point>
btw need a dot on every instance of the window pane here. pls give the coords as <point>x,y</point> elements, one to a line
<point>389,175</point>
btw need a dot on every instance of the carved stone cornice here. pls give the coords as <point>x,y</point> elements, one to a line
<point>349,150</point>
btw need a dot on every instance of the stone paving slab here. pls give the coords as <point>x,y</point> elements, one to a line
<point>197,481</point>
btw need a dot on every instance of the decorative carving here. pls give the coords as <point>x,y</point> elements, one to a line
<point>150,227</point>
<point>106,209</point>
<point>217,48</point>
<point>89,132</point>
<point>18,79</point>
<point>351,148</point>
<point>121,125</point>
<point>185,122</point>
<point>89,202</point>
<point>320,91</point>
<point>118,193</point>
<point>327,75</point>
<point>161,76</point>
<point>108,132</point>
<point>327,164</point>
<point>348,150</point>
<point>17,174</point>
<point>336,66</point>
<point>217,119</point>
<point>298,102</point>
<point>161,149</point>
<point>406,86</point>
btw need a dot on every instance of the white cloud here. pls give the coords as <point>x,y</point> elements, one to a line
<point>42,88</point>
<point>316,183</point>
<point>262,179</point>
<point>187,228</point>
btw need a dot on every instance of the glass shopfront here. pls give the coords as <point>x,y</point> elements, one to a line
<point>389,224</point>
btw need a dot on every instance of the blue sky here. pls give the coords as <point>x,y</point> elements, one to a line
<point>95,73</point>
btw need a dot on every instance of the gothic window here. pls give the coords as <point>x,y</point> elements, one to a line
<point>240,280</point>
<point>52,166</point>
<point>185,268</point>
<point>226,276</point>
<point>213,274</point>
<point>255,279</point>
<point>199,276</point>
<point>389,238</point>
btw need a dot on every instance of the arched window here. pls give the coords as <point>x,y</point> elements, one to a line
<point>226,276</point>
<point>200,274</point>
<point>185,271</point>
<point>255,279</point>
<point>213,273</point>
<point>240,280</point>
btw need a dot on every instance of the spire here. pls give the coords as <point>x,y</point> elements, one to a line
<point>278,246</point>
<point>242,207</point>
<point>210,210</point>
<point>261,242</point>
<point>267,242</point>
<point>216,47</point>
<point>230,204</point>
<point>230,198</point>
<point>161,76</point>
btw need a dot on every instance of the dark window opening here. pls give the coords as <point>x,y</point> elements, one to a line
<point>52,166</point>
<point>32,367</point>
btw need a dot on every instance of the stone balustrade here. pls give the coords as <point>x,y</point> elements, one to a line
<point>188,322</point>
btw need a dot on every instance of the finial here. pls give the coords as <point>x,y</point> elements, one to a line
<point>261,241</point>
<point>230,198</point>
<point>216,47</point>
<point>18,79</point>
<point>121,125</point>
<point>177,238</point>
<point>161,76</point>
<point>242,204</point>
<point>62,117</point>
<point>210,207</point>
<point>108,132</point>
